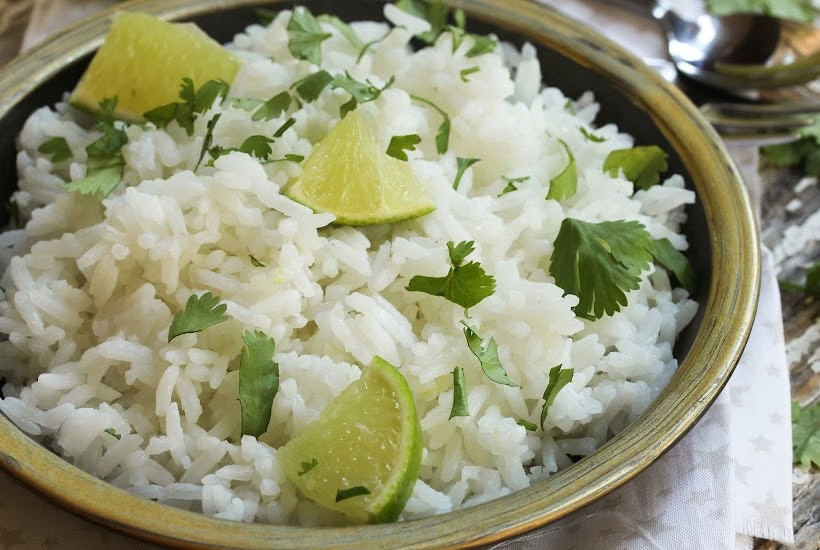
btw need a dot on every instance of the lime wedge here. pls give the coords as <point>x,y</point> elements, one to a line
<point>144,59</point>
<point>349,176</point>
<point>362,455</point>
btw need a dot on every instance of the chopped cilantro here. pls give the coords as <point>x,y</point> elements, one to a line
<point>344,494</point>
<point>558,378</point>
<point>293,158</point>
<point>200,313</point>
<point>486,351</point>
<point>461,166</point>
<point>209,138</point>
<point>370,45</point>
<point>113,433</point>
<point>399,144</point>
<point>805,151</point>
<point>257,146</point>
<point>255,262</point>
<point>512,184</point>
<point>672,259</point>
<point>591,136</point>
<point>273,108</point>
<point>246,103</point>
<point>207,94</point>
<point>284,128</point>
<point>308,466</point>
<point>312,85</point>
<point>641,165</point>
<point>569,106</point>
<point>599,262</point>
<point>360,92</point>
<point>305,36</point>
<point>464,285</point>
<point>344,29</point>
<point>481,45</point>
<point>464,73</point>
<point>443,134</point>
<point>806,434</point>
<point>57,148</point>
<point>565,184</point>
<point>192,102</point>
<point>798,10</point>
<point>434,12</point>
<point>527,425</point>
<point>258,382</point>
<point>459,394</point>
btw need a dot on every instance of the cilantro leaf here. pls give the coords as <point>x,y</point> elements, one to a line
<point>257,146</point>
<point>486,351</point>
<point>246,103</point>
<point>161,116</point>
<point>207,94</point>
<point>461,166</point>
<point>798,10</point>
<point>464,73</point>
<point>672,259</point>
<point>443,134</point>
<point>258,382</point>
<point>308,466</point>
<point>565,184</point>
<point>193,102</point>
<point>434,13</point>
<point>558,378</point>
<point>399,144</point>
<point>100,180</point>
<point>360,92</point>
<point>459,394</point>
<point>284,128</point>
<point>599,262</point>
<point>344,494</point>
<point>113,433</point>
<point>806,434</point>
<point>527,425</point>
<point>273,108</point>
<point>464,285</point>
<point>512,184</point>
<point>200,313</point>
<point>641,165</point>
<point>57,148</point>
<point>311,86</point>
<point>811,286</point>
<point>293,158</point>
<point>805,151</point>
<point>255,262</point>
<point>344,29</point>
<point>209,138</point>
<point>305,36</point>
<point>481,45</point>
<point>594,138</point>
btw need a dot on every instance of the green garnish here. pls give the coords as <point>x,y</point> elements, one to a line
<point>443,134</point>
<point>266,16</point>
<point>308,466</point>
<point>558,378</point>
<point>565,184</point>
<point>641,165</point>
<point>105,161</point>
<point>209,138</point>
<point>344,29</point>
<point>273,108</point>
<point>200,313</point>
<point>192,102</point>
<point>806,434</point>
<point>459,394</point>
<point>461,166</point>
<point>805,151</point>
<point>464,285</point>
<point>291,158</point>
<point>399,144</point>
<point>599,262</point>
<point>305,36</point>
<point>258,382</point>
<point>512,184</point>
<point>360,92</point>
<point>487,354</point>
<point>673,260</point>
<point>570,107</point>
<point>255,262</point>
<point>812,285</point>
<point>113,433</point>
<point>799,10</point>
<point>464,73</point>
<point>246,103</point>
<point>283,128</point>
<point>310,87</point>
<point>344,494</point>
<point>257,146</point>
<point>594,138</point>
<point>434,13</point>
<point>57,148</point>
<point>527,425</point>
<point>481,45</point>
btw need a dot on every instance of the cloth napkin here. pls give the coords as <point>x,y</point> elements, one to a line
<point>727,481</point>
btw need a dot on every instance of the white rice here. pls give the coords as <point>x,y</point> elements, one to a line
<point>91,289</point>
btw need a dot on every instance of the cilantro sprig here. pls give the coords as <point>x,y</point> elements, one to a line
<point>486,351</point>
<point>811,287</point>
<point>305,36</point>
<point>565,184</point>
<point>57,148</point>
<point>461,166</point>
<point>258,382</point>
<point>200,313</point>
<point>641,165</point>
<point>399,144</point>
<point>465,284</point>
<point>192,103</point>
<point>558,378</point>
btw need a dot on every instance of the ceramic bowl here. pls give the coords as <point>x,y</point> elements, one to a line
<point>721,231</point>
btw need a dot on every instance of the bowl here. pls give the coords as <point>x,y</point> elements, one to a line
<point>724,252</point>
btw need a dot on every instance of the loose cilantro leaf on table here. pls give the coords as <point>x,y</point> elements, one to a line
<point>812,285</point>
<point>57,148</point>
<point>805,152</point>
<point>641,165</point>
<point>459,394</point>
<point>192,102</point>
<point>464,73</point>
<point>464,285</point>
<point>273,108</point>
<point>443,133</point>
<point>558,378</point>
<point>344,29</point>
<point>806,434</point>
<point>399,144</point>
<point>344,494</point>
<point>305,36</point>
<point>105,161</point>
<point>258,382</point>
<point>200,313</point>
<point>486,351</point>
<point>308,466</point>
<point>799,10</point>
<point>461,166</point>
<point>565,184</point>
<point>600,262</point>
<point>672,259</point>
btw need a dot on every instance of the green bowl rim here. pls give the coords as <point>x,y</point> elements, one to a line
<point>727,321</point>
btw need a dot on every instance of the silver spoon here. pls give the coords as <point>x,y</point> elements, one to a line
<point>734,52</point>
